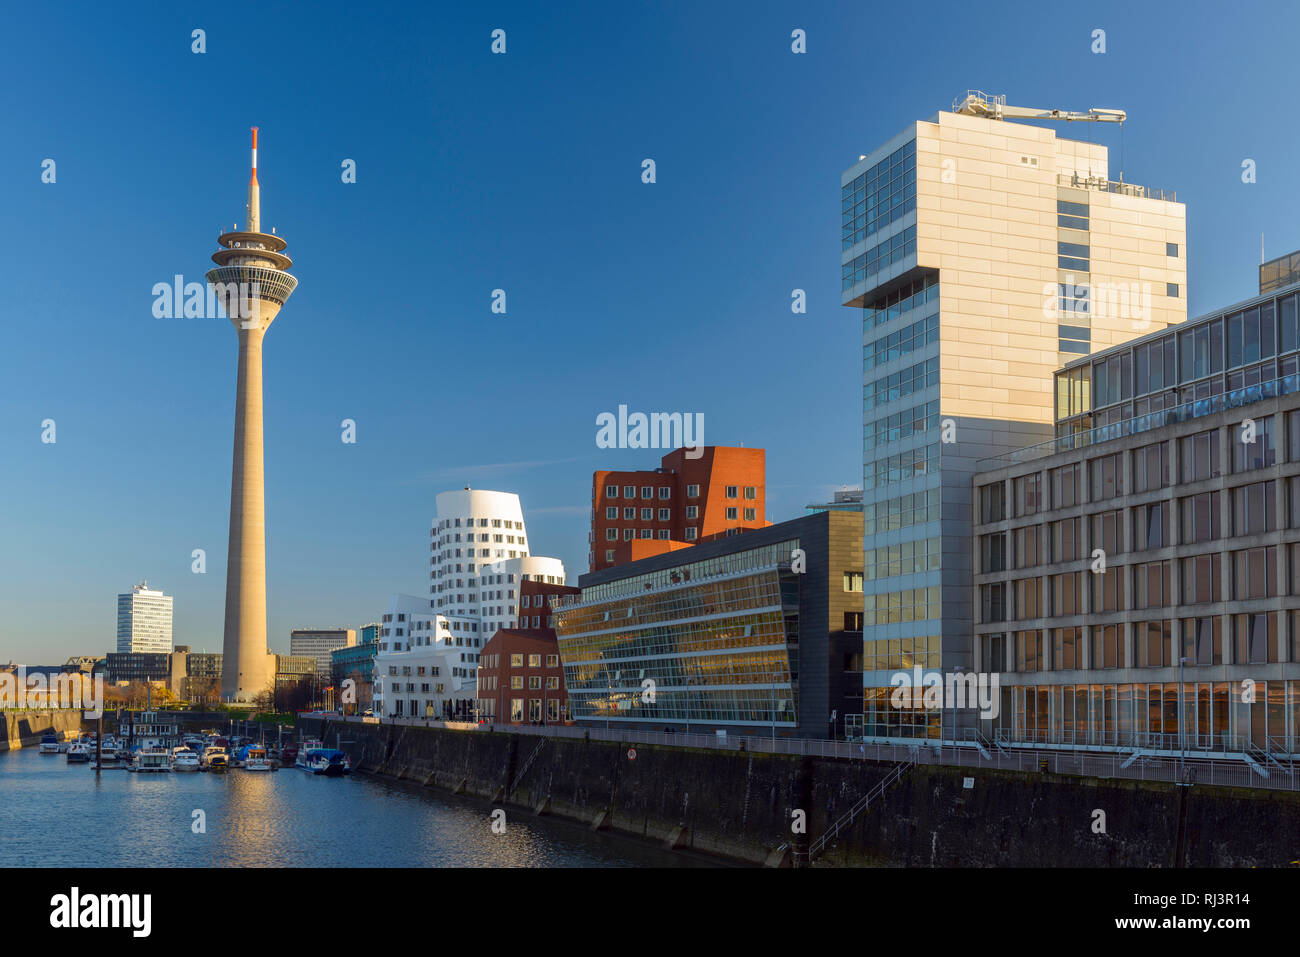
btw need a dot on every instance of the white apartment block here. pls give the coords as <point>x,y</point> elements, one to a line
<point>427,661</point>
<point>144,621</point>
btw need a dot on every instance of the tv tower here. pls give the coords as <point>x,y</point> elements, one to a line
<point>252,283</point>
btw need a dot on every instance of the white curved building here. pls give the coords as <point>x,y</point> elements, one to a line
<point>429,648</point>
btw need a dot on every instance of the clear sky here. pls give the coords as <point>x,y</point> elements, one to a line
<point>521,172</point>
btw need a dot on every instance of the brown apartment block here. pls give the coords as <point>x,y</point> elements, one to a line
<point>685,501</point>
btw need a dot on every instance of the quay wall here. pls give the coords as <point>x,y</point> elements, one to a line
<point>740,805</point>
<point>23,728</point>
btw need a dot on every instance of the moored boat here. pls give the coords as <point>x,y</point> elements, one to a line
<point>183,759</point>
<point>151,759</point>
<point>78,753</point>
<point>327,761</point>
<point>256,759</point>
<point>49,743</point>
<point>215,758</point>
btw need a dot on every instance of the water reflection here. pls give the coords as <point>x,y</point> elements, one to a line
<point>55,814</point>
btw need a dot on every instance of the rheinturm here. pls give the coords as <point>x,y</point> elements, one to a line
<point>252,283</point>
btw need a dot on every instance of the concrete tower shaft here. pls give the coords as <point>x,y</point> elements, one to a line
<point>252,282</point>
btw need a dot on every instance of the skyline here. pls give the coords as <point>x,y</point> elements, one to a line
<point>417,252</point>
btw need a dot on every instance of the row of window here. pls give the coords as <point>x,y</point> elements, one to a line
<point>1253,575</point>
<point>647,491</point>
<point>879,196</point>
<point>1144,644</point>
<point>901,384</point>
<point>901,425</point>
<point>892,250</point>
<point>1254,444</point>
<point>906,340</point>
<point>911,464</point>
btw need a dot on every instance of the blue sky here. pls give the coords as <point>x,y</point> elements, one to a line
<point>520,172</point>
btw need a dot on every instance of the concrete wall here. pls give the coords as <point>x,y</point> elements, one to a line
<point>739,805</point>
<point>20,728</point>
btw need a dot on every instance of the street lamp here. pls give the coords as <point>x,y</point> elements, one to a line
<point>1182,724</point>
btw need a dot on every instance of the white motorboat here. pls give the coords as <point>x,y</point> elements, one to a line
<point>49,743</point>
<point>183,759</point>
<point>153,759</point>
<point>78,753</point>
<point>215,758</point>
<point>257,760</point>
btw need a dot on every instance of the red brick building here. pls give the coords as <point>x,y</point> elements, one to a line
<point>685,501</point>
<point>520,678</point>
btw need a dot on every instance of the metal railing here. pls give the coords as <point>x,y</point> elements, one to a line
<point>1104,185</point>
<point>862,804</point>
<point>1222,769</point>
<point>1197,408</point>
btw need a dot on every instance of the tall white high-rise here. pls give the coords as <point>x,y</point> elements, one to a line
<point>144,621</point>
<point>428,653</point>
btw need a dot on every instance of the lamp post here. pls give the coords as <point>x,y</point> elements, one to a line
<point>775,676</point>
<point>1182,724</point>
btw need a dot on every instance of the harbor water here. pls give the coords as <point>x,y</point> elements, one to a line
<point>56,814</point>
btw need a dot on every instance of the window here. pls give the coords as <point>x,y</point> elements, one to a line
<point>1201,579</point>
<point>1201,522</point>
<point>853,581</point>
<point>1027,494</point>
<point>1253,509</point>
<point>647,491</point>
<point>1171,290</point>
<point>665,514</point>
<point>665,492</point>
<point>1072,256</point>
<point>1203,640</point>
<point>1067,593</point>
<point>1067,539</point>
<point>1255,638</point>
<point>751,515</point>
<point>1108,589</point>
<point>1254,573</point>
<point>993,503</point>
<point>1065,485</point>
<point>611,491</point>
<point>611,512</point>
<point>609,552</point>
<point>692,533</point>
<point>751,492</point>
<point>629,491</point>
<point>1108,532</point>
<point>731,514</point>
<point>516,661</point>
<point>1255,445</point>
<point>1171,249</point>
<point>1200,456</point>
<point>692,511</point>
<point>1067,648</point>
<point>1151,467</point>
<point>1151,526</point>
<point>1071,215</point>
<point>534,661</point>
<point>611,534</point>
<point>1106,646</point>
<point>1107,477</point>
<point>1151,644</point>
<point>517,682</point>
<point>692,491</point>
<point>1151,585</point>
<point>629,514</point>
<point>629,534</point>
<point>731,491</point>
<point>647,514</point>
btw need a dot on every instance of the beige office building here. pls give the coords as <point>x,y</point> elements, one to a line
<point>984,254</point>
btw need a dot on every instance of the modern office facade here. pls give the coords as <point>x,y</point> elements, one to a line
<point>125,667</point>
<point>756,633</point>
<point>984,254</point>
<point>319,643</point>
<point>144,621</point>
<point>1138,579</point>
<point>356,663</point>
<point>685,501</point>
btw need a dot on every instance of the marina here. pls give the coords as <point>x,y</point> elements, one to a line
<point>276,820</point>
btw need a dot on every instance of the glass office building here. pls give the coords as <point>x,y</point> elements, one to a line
<point>983,255</point>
